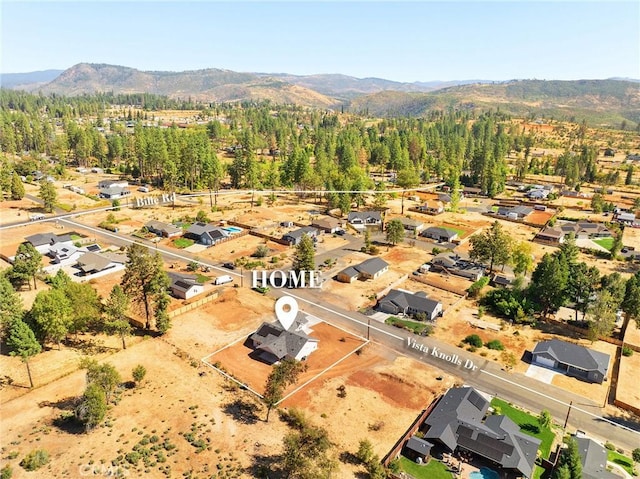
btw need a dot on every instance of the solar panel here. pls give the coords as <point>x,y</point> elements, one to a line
<point>477,400</point>
<point>465,431</point>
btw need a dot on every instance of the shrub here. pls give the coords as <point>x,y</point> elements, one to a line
<point>475,288</point>
<point>261,251</point>
<point>495,344</point>
<point>627,351</point>
<point>609,446</point>
<point>133,457</point>
<point>635,454</point>
<point>139,372</point>
<point>35,460</point>
<point>6,472</point>
<point>473,340</point>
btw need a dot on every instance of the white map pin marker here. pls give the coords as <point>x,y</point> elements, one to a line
<point>286,311</point>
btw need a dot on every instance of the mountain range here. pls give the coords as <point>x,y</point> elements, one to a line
<point>607,102</point>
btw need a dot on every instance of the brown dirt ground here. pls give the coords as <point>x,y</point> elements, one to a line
<point>540,217</point>
<point>627,389</point>
<point>632,334</point>
<point>389,392</point>
<point>235,359</point>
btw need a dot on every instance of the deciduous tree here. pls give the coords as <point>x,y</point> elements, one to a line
<point>53,314</point>
<point>17,188</point>
<point>25,265</point>
<point>92,407</point>
<point>395,232</point>
<point>10,306</point>
<point>492,246</point>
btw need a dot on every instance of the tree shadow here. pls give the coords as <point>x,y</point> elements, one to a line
<point>265,467</point>
<point>242,411</point>
<point>68,423</point>
<point>347,457</point>
<point>66,404</point>
<point>531,428</point>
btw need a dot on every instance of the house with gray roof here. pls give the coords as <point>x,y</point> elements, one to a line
<point>272,342</point>
<point>43,241</point>
<point>294,237</point>
<point>451,263</point>
<point>371,268</point>
<point>417,449</point>
<point>572,359</point>
<point>441,235</point>
<point>459,422</point>
<point>165,230</point>
<point>515,212</point>
<point>411,225</point>
<point>594,459</point>
<point>398,301</point>
<point>206,234</point>
<point>184,286</point>
<point>114,192</point>
<point>364,218</point>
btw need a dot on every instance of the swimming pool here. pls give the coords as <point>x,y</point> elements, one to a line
<point>232,229</point>
<point>484,473</point>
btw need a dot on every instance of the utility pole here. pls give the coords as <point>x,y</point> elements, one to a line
<point>567,418</point>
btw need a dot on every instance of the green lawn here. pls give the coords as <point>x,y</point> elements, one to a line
<point>606,243</point>
<point>529,425</point>
<point>182,242</point>
<point>623,461</point>
<point>410,325</point>
<point>432,470</point>
<point>461,233</point>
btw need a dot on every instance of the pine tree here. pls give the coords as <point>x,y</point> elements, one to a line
<point>17,188</point>
<point>304,257</point>
<point>10,306</point>
<point>48,195</point>
<point>493,246</point>
<point>52,312</point>
<point>23,343</point>
<point>115,311</point>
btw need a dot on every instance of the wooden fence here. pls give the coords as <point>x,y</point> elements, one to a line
<point>450,289</point>
<point>415,425</point>
<point>196,304</point>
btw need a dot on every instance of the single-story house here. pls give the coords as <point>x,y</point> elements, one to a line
<point>294,237</point>
<point>42,242</point>
<point>441,235</point>
<point>163,229</point>
<point>206,234</point>
<point>328,225</point>
<point>272,342</point>
<point>371,268</point>
<point>411,225</point>
<point>550,235</point>
<point>460,422</point>
<point>431,207</point>
<point>61,252</point>
<point>185,286</point>
<point>515,212</point>
<point>626,218</point>
<point>594,459</point>
<point>452,263</point>
<point>92,263</point>
<point>538,194</point>
<point>500,281</point>
<point>573,359</point>
<point>114,192</point>
<point>106,184</point>
<point>398,301</point>
<point>365,218</point>
<point>417,449</point>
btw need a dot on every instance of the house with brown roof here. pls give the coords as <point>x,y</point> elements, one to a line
<point>371,268</point>
<point>328,224</point>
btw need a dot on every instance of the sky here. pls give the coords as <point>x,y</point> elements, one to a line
<point>401,41</point>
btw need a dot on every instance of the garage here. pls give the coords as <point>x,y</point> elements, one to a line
<point>548,362</point>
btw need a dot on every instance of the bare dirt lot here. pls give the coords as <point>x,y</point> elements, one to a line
<point>181,396</point>
<point>333,345</point>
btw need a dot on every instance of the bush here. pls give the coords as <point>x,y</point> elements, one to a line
<point>35,460</point>
<point>627,351</point>
<point>495,344</point>
<point>609,446</point>
<point>635,454</point>
<point>261,251</point>
<point>473,340</point>
<point>6,472</point>
<point>475,288</point>
<point>139,372</point>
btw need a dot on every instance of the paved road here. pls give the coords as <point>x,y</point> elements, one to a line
<point>475,371</point>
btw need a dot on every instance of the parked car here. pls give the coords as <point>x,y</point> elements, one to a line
<point>224,279</point>
<point>340,232</point>
<point>143,189</point>
<point>229,265</point>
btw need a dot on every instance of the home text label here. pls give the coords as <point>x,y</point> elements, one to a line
<point>283,279</point>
